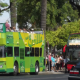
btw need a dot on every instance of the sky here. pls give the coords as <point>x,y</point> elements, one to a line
<point>6,15</point>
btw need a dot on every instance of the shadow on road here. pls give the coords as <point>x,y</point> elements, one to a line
<point>23,74</point>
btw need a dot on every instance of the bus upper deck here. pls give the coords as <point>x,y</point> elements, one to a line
<point>29,39</point>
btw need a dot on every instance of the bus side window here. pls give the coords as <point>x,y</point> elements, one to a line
<point>9,51</point>
<point>36,51</point>
<point>40,51</point>
<point>32,51</point>
<point>16,51</point>
<point>0,52</point>
<point>21,53</point>
<point>26,51</point>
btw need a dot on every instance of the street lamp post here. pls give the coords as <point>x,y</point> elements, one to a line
<point>48,54</point>
<point>49,61</point>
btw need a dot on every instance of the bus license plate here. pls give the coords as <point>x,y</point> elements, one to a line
<point>1,66</point>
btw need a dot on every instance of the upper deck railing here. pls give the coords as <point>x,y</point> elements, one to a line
<point>35,30</point>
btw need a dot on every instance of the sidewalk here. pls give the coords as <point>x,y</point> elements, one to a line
<point>52,72</point>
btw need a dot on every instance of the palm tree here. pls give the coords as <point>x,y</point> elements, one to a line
<point>13,13</point>
<point>43,14</point>
<point>43,22</point>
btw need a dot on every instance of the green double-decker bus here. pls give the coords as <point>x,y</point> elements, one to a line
<point>21,52</point>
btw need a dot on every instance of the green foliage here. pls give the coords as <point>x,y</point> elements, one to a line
<point>60,36</point>
<point>57,12</point>
<point>30,11</point>
<point>5,5</point>
<point>2,6</point>
<point>67,13</point>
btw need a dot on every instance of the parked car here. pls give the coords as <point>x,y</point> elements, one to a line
<point>69,65</point>
<point>74,73</point>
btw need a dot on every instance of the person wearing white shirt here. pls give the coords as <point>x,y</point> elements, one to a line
<point>61,62</point>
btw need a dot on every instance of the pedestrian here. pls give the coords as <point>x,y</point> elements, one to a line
<point>7,25</point>
<point>61,61</point>
<point>49,59</point>
<point>66,59</point>
<point>58,63</point>
<point>53,60</point>
<point>20,30</point>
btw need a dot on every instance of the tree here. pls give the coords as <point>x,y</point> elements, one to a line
<point>75,4</point>
<point>31,13</point>
<point>43,21</point>
<point>43,14</point>
<point>59,37</point>
<point>57,12</point>
<point>67,13</point>
<point>13,10</point>
<point>3,7</point>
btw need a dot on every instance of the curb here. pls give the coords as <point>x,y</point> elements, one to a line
<point>50,72</point>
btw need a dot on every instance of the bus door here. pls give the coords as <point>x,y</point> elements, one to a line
<point>22,60</point>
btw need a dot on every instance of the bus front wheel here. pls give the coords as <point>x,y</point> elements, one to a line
<point>36,70</point>
<point>15,70</point>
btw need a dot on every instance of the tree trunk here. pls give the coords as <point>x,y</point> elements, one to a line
<point>43,23</point>
<point>43,14</point>
<point>13,13</point>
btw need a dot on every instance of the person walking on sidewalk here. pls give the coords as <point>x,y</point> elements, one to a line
<point>53,60</point>
<point>58,63</point>
<point>49,64</point>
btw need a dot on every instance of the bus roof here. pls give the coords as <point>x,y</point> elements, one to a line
<point>74,33</point>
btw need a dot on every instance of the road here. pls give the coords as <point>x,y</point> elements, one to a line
<point>35,77</point>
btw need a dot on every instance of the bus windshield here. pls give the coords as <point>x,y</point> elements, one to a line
<point>73,52</point>
<point>74,39</point>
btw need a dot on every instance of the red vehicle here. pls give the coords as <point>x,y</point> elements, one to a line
<point>72,51</point>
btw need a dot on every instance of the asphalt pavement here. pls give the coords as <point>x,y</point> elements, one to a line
<point>46,75</point>
<point>35,77</point>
